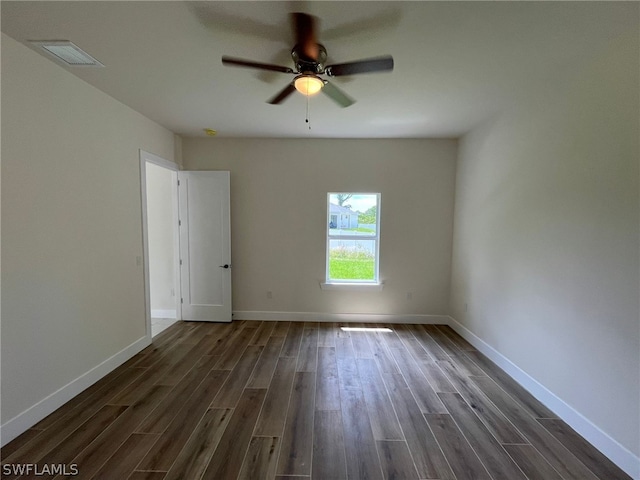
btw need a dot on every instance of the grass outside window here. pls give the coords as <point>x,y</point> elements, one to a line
<point>349,265</point>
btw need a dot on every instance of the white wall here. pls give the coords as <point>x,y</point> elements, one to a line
<point>278,211</point>
<point>72,291</point>
<point>160,222</point>
<point>546,243</point>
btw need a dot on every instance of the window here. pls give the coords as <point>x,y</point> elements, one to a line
<point>353,238</point>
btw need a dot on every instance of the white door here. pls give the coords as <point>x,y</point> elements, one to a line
<point>205,246</point>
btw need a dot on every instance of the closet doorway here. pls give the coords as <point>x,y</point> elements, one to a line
<point>159,179</point>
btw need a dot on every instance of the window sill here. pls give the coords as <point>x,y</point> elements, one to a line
<point>361,287</point>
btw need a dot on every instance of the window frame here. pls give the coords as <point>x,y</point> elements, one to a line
<point>329,282</point>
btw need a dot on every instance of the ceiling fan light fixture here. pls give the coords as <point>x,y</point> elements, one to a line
<point>308,84</point>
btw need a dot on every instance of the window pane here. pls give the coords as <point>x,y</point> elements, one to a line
<point>352,259</point>
<point>353,214</point>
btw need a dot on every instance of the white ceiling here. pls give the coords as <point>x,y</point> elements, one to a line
<point>456,63</point>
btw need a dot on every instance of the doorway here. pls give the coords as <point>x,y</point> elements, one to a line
<point>160,230</point>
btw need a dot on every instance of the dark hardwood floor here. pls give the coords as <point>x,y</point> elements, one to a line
<point>293,400</point>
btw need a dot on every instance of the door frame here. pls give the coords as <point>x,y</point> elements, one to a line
<point>147,157</point>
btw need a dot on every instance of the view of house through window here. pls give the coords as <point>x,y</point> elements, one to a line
<point>353,236</point>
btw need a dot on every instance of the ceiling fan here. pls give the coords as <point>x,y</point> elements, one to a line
<point>309,58</point>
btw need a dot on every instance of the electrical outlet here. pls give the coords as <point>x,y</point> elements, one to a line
<point>269,294</point>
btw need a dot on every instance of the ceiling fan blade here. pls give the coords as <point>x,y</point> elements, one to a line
<point>337,95</point>
<point>370,65</point>
<point>304,27</point>
<point>240,62</point>
<point>288,90</point>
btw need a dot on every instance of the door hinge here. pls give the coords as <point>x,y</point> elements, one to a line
<point>180,261</point>
<point>178,182</point>
<point>181,300</point>
<point>179,223</point>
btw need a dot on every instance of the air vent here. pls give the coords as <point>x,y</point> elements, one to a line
<point>69,53</point>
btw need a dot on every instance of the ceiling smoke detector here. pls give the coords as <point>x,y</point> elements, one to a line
<point>67,52</point>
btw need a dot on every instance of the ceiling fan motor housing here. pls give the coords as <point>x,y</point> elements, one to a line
<point>309,65</point>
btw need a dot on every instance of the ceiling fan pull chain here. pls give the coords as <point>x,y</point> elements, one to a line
<point>307,119</point>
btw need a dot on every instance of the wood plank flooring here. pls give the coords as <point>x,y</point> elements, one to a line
<point>294,400</point>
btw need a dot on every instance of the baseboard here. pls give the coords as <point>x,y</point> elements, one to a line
<point>163,314</point>
<point>616,452</point>
<point>341,317</point>
<point>27,419</point>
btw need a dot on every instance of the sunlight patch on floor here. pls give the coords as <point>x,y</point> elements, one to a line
<point>365,329</point>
